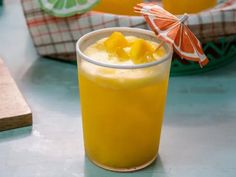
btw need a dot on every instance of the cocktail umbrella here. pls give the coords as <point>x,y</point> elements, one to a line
<point>172,29</point>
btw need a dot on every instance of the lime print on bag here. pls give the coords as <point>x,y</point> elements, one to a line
<point>65,8</point>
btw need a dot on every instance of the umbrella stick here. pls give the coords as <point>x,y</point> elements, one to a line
<point>159,46</point>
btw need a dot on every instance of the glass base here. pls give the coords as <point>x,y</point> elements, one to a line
<point>124,169</point>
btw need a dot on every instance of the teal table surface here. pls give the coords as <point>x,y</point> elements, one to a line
<point>198,136</point>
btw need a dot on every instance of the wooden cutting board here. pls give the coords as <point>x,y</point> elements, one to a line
<point>14,111</point>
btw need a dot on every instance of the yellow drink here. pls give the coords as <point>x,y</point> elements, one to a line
<point>187,6</point>
<point>122,109</point>
<point>122,7</point>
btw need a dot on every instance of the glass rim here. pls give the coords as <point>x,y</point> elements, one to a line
<point>117,66</point>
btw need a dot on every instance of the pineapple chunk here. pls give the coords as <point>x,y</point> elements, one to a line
<point>122,54</point>
<point>116,40</point>
<point>141,51</point>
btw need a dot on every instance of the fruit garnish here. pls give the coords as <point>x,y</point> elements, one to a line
<point>122,54</point>
<point>141,51</point>
<point>116,40</point>
<point>131,48</point>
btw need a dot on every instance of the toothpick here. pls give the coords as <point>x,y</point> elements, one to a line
<point>159,46</point>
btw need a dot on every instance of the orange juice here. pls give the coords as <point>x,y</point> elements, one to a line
<point>122,105</point>
<point>121,7</point>
<point>187,6</point>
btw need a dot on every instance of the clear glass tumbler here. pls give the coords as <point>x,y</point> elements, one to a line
<point>187,6</point>
<point>117,7</point>
<point>122,105</point>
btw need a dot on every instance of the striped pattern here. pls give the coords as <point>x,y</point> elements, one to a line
<point>56,37</point>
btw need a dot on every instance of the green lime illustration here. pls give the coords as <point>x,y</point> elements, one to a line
<point>66,8</point>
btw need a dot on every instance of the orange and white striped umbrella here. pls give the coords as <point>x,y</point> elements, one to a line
<point>171,29</point>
